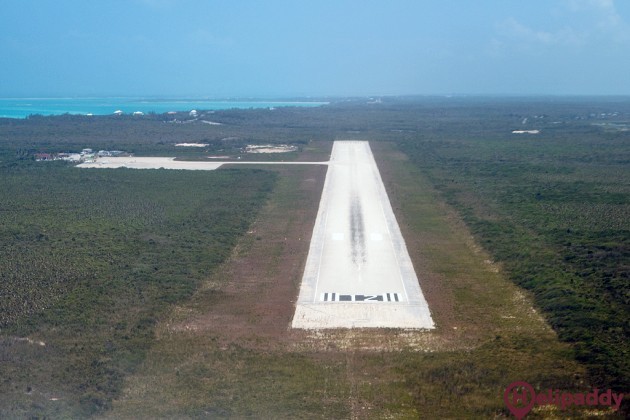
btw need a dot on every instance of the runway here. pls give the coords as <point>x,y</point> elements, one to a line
<point>358,272</point>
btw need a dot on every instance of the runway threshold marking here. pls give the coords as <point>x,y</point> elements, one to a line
<point>337,297</point>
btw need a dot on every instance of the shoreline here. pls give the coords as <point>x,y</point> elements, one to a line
<point>22,108</point>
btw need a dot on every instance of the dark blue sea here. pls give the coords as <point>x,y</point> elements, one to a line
<point>23,107</point>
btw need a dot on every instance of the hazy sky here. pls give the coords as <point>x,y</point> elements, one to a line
<point>315,47</point>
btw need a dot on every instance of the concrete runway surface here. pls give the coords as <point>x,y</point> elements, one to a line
<point>358,272</point>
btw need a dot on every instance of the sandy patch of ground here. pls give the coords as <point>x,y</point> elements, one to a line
<point>526,132</point>
<point>149,163</point>
<point>270,148</point>
<point>136,162</point>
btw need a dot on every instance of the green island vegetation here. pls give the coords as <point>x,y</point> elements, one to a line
<point>93,263</point>
<point>91,259</point>
<point>554,209</point>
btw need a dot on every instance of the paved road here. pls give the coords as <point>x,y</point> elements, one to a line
<point>358,271</point>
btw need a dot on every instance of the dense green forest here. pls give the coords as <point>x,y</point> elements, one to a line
<point>90,260</point>
<point>555,210</point>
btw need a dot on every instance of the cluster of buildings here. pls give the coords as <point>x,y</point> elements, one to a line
<point>137,113</point>
<point>86,155</point>
<point>192,113</point>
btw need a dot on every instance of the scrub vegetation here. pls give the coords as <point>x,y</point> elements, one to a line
<point>554,210</point>
<point>91,260</point>
<point>509,233</point>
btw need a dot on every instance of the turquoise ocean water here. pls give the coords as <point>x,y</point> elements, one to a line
<point>23,107</point>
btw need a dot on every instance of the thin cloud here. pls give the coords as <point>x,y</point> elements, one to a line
<point>512,28</point>
<point>588,22</point>
<point>581,5</point>
<point>604,13</point>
